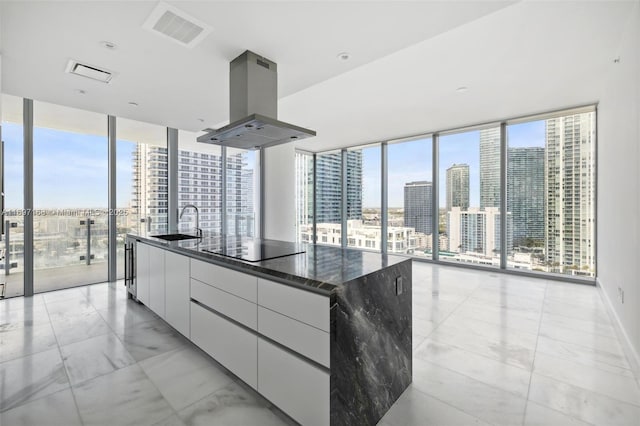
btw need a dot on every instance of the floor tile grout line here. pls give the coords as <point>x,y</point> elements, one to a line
<point>449,314</point>
<point>452,406</point>
<point>588,390</point>
<point>587,347</point>
<point>535,351</point>
<point>492,386</point>
<point>64,365</point>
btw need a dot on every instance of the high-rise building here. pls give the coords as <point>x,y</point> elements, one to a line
<point>490,167</point>
<point>329,186</point>
<point>458,186</point>
<point>476,231</point>
<point>570,186</point>
<point>304,196</point>
<point>418,209</point>
<point>525,194</point>
<point>150,187</point>
<point>199,183</point>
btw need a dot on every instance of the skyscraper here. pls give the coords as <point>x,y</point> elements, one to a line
<point>570,186</point>
<point>525,194</point>
<point>418,211</point>
<point>329,186</point>
<point>458,186</point>
<point>199,183</point>
<point>476,230</point>
<point>490,167</point>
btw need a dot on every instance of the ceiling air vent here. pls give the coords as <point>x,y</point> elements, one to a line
<point>176,25</point>
<point>89,71</point>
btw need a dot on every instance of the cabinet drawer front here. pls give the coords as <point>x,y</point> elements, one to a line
<point>227,304</point>
<point>177,301</point>
<point>229,344</point>
<point>299,337</point>
<point>298,388</point>
<point>310,308</point>
<point>242,285</point>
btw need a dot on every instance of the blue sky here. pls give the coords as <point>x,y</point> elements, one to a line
<point>70,169</point>
<point>412,161</point>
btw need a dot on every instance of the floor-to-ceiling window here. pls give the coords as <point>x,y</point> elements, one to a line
<point>470,196</point>
<point>242,189</point>
<point>551,194</point>
<point>12,244</point>
<point>144,159</point>
<point>410,200</point>
<point>364,197</point>
<point>70,216</point>
<point>542,180</point>
<point>304,197</point>
<point>329,198</point>
<point>200,184</point>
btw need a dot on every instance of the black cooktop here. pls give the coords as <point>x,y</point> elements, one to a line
<point>251,249</point>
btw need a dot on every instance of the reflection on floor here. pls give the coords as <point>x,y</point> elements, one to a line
<point>50,279</point>
<point>488,349</point>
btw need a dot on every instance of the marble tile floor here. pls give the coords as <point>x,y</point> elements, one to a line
<point>489,349</point>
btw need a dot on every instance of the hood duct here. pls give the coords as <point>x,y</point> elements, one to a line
<point>253,105</point>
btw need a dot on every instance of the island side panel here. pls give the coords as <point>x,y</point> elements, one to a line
<point>371,345</point>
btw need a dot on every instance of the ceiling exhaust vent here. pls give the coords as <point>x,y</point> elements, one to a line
<point>174,24</point>
<point>89,71</point>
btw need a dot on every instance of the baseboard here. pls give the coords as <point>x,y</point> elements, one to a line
<point>632,354</point>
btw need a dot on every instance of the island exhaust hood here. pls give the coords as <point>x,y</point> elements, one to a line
<point>253,105</point>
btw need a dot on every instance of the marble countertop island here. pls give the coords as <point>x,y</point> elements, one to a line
<point>369,299</point>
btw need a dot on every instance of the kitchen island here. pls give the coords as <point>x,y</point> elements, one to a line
<point>324,334</point>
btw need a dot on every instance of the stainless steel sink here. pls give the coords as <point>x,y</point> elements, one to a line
<point>175,237</point>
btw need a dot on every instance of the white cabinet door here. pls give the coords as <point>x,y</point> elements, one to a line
<point>305,306</point>
<point>298,388</point>
<point>142,273</point>
<point>177,303</point>
<point>229,344</point>
<point>156,281</point>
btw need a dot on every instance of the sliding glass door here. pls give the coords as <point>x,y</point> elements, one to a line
<point>70,215</point>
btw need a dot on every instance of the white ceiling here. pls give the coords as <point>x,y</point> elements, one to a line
<point>407,60</point>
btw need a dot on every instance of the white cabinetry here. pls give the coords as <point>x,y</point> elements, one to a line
<point>297,387</point>
<point>231,345</point>
<point>142,272</point>
<point>177,294</point>
<point>156,281</point>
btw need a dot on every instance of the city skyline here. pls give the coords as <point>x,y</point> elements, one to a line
<point>408,161</point>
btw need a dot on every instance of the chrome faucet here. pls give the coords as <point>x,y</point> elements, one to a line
<point>198,230</point>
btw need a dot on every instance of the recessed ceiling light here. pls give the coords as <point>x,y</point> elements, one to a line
<point>135,104</point>
<point>462,89</point>
<point>108,45</point>
<point>344,56</point>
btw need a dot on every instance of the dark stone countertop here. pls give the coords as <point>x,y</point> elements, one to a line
<point>321,269</point>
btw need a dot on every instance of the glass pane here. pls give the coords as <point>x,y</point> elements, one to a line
<point>557,154</point>
<point>127,219</point>
<point>142,177</point>
<point>329,198</point>
<point>304,197</point>
<point>70,197</point>
<point>12,245</point>
<point>363,198</point>
<point>410,186</point>
<point>200,184</point>
<point>241,194</point>
<point>470,208</point>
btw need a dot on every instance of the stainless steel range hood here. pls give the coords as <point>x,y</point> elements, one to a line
<point>253,105</point>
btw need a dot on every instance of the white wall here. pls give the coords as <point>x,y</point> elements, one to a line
<point>280,203</point>
<point>618,257</point>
